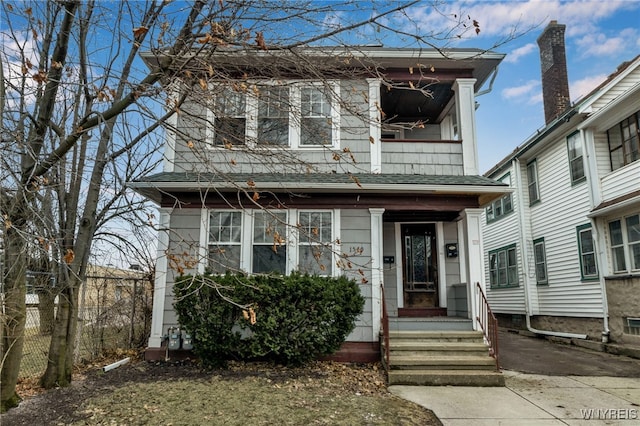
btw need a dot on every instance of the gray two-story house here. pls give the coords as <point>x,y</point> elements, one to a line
<point>367,167</point>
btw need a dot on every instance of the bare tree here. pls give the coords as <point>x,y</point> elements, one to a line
<point>78,118</point>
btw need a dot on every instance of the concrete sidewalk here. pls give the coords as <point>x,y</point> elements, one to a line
<point>533,399</point>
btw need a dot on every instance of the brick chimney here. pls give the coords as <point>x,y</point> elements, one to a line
<point>555,81</point>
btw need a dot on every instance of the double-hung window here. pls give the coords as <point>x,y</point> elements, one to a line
<point>269,250</point>
<point>315,250</point>
<point>315,121</point>
<point>503,205</point>
<point>229,118</point>
<point>624,141</point>
<point>576,163</point>
<point>503,267</point>
<point>540,257</point>
<point>296,115</point>
<point>273,116</point>
<point>587,252</point>
<point>225,238</point>
<point>624,237</point>
<point>532,182</point>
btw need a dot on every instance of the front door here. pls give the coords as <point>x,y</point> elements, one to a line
<point>419,266</point>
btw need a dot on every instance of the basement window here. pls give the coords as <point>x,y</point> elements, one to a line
<point>632,326</point>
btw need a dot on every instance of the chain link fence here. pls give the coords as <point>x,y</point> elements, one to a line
<point>114,313</point>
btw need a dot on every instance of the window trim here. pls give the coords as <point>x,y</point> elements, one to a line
<point>211,243</point>
<point>490,210</point>
<point>581,254</point>
<point>540,241</point>
<point>623,143</point>
<point>295,117</point>
<point>508,284</point>
<point>626,245</point>
<point>331,244</point>
<point>535,182</point>
<point>576,181</point>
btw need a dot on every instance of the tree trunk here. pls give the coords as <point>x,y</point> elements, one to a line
<point>14,315</point>
<point>60,360</point>
<point>46,304</point>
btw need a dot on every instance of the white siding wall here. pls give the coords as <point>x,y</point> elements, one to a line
<point>621,181</point>
<point>497,234</point>
<point>625,84</point>
<point>562,208</point>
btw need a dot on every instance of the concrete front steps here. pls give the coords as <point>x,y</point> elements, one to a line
<point>438,358</point>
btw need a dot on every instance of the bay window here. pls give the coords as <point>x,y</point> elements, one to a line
<point>225,237</point>
<point>624,237</point>
<point>269,251</point>
<point>315,250</point>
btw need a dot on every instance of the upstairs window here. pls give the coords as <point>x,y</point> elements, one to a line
<point>587,252</point>
<point>296,115</point>
<point>624,236</point>
<point>316,117</point>
<point>273,116</point>
<point>624,145</point>
<point>532,181</point>
<point>230,119</point>
<point>502,206</point>
<point>576,162</point>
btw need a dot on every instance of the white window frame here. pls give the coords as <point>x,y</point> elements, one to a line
<point>626,245</point>
<point>331,89</point>
<point>331,244</point>
<point>532,182</point>
<point>211,119</point>
<point>286,239</point>
<point>211,243</point>
<point>540,262</point>
<point>583,254</point>
<point>573,142</point>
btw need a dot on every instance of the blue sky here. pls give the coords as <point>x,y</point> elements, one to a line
<point>600,35</point>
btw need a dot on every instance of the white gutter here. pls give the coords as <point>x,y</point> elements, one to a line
<point>525,262</point>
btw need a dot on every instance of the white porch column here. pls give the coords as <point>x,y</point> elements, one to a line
<point>475,259</point>
<point>375,127</point>
<point>466,114</point>
<point>160,284</point>
<point>377,277</point>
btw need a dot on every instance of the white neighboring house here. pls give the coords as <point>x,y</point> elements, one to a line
<point>562,252</point>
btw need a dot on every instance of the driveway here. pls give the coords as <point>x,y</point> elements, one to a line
<point>540,356</point>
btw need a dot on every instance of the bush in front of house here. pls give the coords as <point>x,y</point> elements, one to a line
<point>286,319</point>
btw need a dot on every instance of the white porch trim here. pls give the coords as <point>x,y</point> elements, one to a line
<point>377,276</point>
<point>375,127</point>
<point>160,284</point>
<point>442,270</point>
<point>475,263</point>
<point>399,264</point>
<point>465,112</point>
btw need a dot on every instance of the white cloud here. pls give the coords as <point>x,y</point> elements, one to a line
<point>598,44</point>
<point>580,88</point>
<point>520,52</point>
<point>521,91</point>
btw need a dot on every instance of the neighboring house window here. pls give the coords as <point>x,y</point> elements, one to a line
<point>225,237</point>
<point>230,120</point>
<point>540,257</point>
<point>586,249</point>
<point>300,115</point>
<point>502,206</point>
<point>269,250</point>
<point>273,116</point>
<point>624,144</point>
<point>316,122</point>
<point>532,181</point>
<point>625,243</point>
<point>576,163</point>
<point>315,252</point>
<point>503,267</point>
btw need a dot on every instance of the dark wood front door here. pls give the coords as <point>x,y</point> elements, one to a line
<point>419,266</point>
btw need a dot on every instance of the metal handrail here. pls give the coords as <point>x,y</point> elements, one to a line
<point>489,324</point>
<point>385,328</point>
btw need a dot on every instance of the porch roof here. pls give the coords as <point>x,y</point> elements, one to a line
<point>486,189</point>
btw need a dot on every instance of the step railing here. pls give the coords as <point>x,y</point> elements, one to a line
<point>385,328</point>
<point>488,324</point>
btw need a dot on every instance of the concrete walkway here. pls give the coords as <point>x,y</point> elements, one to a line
<point>533,399</point>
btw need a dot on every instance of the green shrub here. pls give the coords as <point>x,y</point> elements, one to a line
<point>297,317</point>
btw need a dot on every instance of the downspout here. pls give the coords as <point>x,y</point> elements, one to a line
<point>525,262</point>
<point>594,198</point>
<point>490,88</point>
